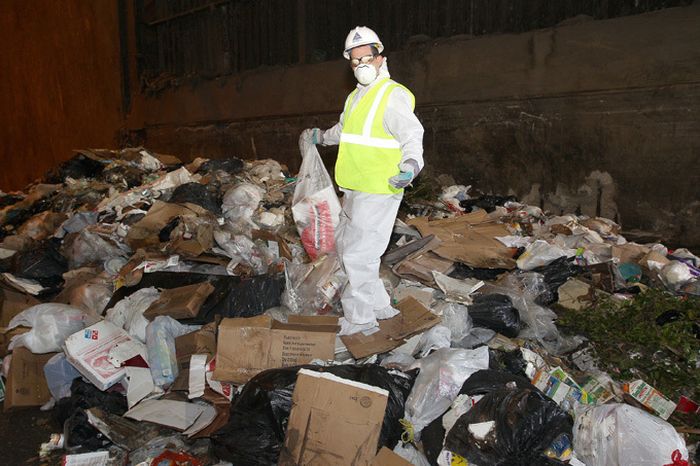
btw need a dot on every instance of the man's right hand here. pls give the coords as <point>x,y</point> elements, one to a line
<point>312,136</point>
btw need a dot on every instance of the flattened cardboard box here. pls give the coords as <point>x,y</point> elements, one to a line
<point>333,421</point>
<point>12,303</point>
<point>26,383</point>
<point>247,346</point>
<point>202,341</point>
<point>413,318</point>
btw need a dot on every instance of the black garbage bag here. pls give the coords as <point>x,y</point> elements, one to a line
<point>555,274</point>
<point>509,361</point>
<point>495,311</point>
<point>231,165</point>
<point>70,413</point>
<point>233,296</point>
<point>77,167</point>
<point>257,426</point>
<point>43,261</point>
<point>526,424</point>
<point>487,202</point>
<point>488,380</point>
<point>199,194</point>
<point>123,175</point>
<point>479,383</point>
<point>462,271</point>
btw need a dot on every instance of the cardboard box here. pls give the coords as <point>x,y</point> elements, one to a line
<point>414,318</point>
<point>202,341</point>
<point>12,303</point>
<point>180,303</point>
<point>333,421</point>
<point>26,383</point>
<point>144,233</point>
<point>89,350</point>
<point>386,457</point>
<point>6,336</point>
<point>651,398</point>
<point>247,346</point>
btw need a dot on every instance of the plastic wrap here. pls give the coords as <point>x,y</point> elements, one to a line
<point>241,249</point>
<point>199,194</point>
<point>623,435</point>
<point>256,429</point>
<point>51,324</point>
<point>128,313</point>
<point>160,340</point>
<point>441,376</point>
<point>59,375</point>
<point>313,288</point>
<point>496,312</point>
<point>509,426</point>
<point>315,206</point>
<point>90,247</point>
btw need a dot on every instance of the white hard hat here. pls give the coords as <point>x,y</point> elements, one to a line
<point>361,35</point>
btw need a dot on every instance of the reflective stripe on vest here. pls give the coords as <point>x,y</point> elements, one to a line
<point>368,156</point>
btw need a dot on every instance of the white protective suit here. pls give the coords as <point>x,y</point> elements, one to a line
<point>367,220</point>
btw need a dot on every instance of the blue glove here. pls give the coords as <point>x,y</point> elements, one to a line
<point>409,170</point>
<point>312,136</point>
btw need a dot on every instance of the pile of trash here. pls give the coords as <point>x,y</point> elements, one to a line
<point>172,313</point>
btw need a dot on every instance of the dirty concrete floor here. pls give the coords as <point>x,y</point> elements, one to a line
<point>21,434</point>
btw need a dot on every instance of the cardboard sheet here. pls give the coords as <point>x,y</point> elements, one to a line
<point>145,232</point>
<point>333,421</point>
<point>12,303</point>
<point>469,239</point>
<point>179,415</point>
<point>386,457</point>
<point>247,346</point>
<point>413,319</point>
<point>26,383</point>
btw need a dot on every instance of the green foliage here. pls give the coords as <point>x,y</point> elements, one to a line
<point>631,345</point>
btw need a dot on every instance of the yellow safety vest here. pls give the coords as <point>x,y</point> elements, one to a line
<point>368,156</point>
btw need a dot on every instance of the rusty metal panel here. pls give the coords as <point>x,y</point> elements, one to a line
<point>209,38</point>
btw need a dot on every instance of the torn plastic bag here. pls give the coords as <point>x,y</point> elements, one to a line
<point>508,427</point>
<point>488,380</point>
<point>160,340</point>
<point>459,291</point>
<point>555,275</point>
<point>232,296</point>
<point>434,339</point>
<point>488,202</point>
<point>313,288</point>
<point>51,324</point>
<point>41,262</point>
<point>456,318</point>
<point>256,429</point>
<point>623,435</point>
<point>199,194</point>
<point>70,413</point>
<point>496,312</point>
<point>59,375</point>
<point>77,167</point>
<point>315,206</point>
<point>462,271</point>
<point>128,313</point>
<point>411,454</point>
<point>240,203</point>
<point>523,289</point>
<point>92,247</point>
<point>230,165</point>
<point>441,376</point>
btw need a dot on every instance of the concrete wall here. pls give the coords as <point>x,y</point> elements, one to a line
<point>599,117</point>
<point>59,85</point>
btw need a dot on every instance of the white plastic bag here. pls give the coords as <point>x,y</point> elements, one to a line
<point>315,206</point>
<point>411,454</point>
<point>438,383</point>
<point>51,324</point>
<point>128,313</point>
<point>434,339</point>
<point>59,375</point>
<point>456,318</point>
<point>541,253</point>
<point>623,435</point>
<point>240,203</point>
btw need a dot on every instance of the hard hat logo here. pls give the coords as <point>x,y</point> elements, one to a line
<point>359,36</point>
